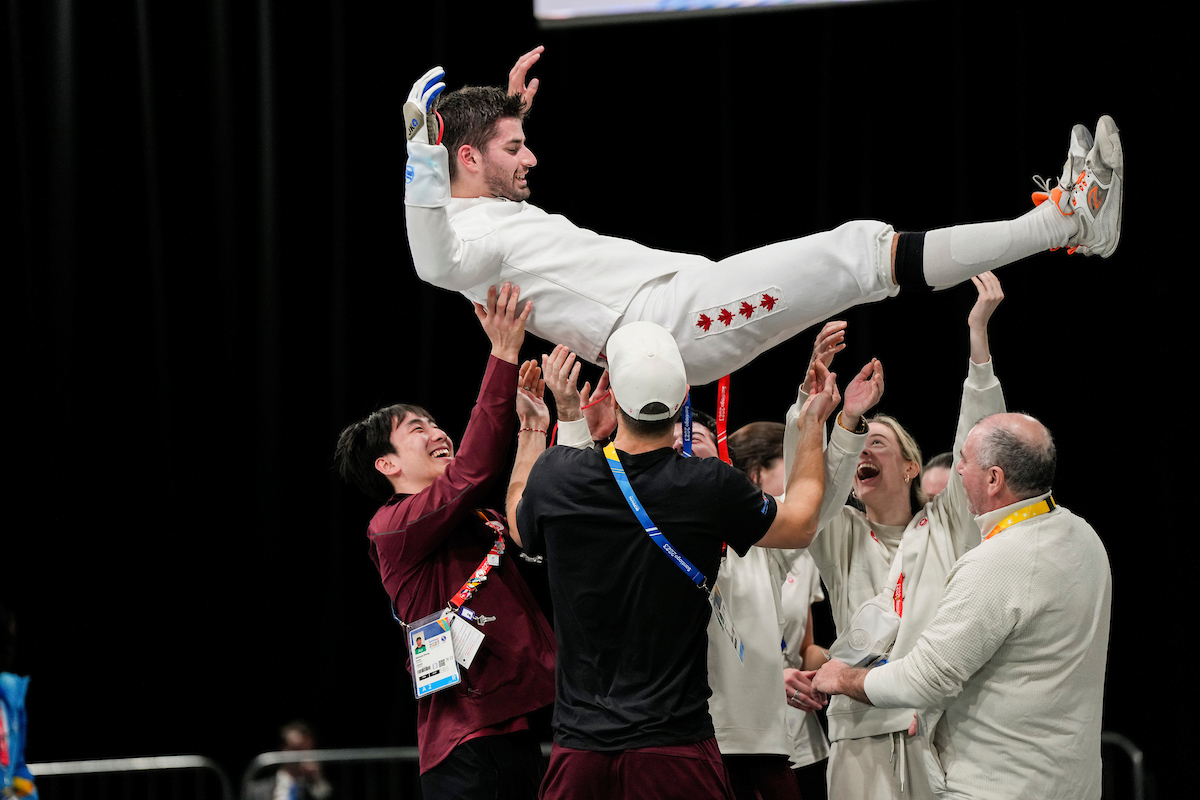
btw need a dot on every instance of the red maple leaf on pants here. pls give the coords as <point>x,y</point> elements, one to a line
<point>768,302</point>
<point>726,316</point>
<point>704,322</point>
<point>746,310</point>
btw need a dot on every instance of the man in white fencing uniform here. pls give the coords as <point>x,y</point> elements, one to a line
<point>470,227</point>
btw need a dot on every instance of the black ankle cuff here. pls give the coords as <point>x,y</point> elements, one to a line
<point>910,262</point>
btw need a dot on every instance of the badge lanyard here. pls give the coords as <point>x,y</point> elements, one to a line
<point>719,603</point>
<point>686,422</point>
<point>1022,514</point>
<point>480,575</point>
<point>656,536</point>
<point>723,418</point>
<point>722,421</point>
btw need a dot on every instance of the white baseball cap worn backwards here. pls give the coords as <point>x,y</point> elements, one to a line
<point>644,367</point>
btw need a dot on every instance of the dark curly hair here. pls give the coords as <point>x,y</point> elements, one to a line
<point>471,116</point>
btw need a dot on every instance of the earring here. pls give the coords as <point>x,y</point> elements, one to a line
<point>906,479</point>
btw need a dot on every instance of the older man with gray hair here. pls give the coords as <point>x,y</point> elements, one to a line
<point>1009,676</point>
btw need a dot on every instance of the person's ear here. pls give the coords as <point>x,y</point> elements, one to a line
<point>388,464</point>
<point>468,158</point>
<point>995,480</point>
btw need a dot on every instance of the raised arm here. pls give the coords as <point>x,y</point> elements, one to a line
<point>429,515</point>
<point>982,395</point>
<point>534,418</point>
<point>441,257</point>
<point>795,523</point>
<point>561,369</point>
<point>846,442</point>
<point>829,342</point>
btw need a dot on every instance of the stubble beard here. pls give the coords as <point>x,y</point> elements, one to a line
<point>506,186</point>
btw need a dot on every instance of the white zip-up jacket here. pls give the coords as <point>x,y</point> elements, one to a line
<point>854,566</point>
<point>1010,671</point>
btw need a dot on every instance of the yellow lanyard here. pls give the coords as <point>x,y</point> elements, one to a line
<point>1022,514</point>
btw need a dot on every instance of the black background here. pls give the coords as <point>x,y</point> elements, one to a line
<point>206,277</point>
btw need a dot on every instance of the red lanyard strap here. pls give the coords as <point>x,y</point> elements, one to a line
<point>723,418</point>
<point>492,559</point>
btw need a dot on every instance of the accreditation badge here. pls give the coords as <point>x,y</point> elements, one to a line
<point>431,651</point>
<point>724,616</point>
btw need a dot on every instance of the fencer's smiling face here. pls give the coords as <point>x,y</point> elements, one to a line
<point>506,161</point>
<point>881,466</point>
<point>422,448</point>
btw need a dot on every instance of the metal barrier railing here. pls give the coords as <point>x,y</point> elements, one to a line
<point>396,778</point>
<point>130,778</point>
<point>353,783</point>
<point>1137,764</point>
<point>394,773</point>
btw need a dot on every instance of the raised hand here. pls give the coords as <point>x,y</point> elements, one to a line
<point>990,296</point>
<point>829,342</point>
<point>417,107</point>
<point>516,77</point>
<point>825,396</point>
<point>562,376</point>
<point>598,413</point>
<point>531,407</point>
<point>502,323</point>
<point>862,393</point>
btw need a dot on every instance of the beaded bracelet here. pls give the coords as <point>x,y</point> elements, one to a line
<point>535,430</point>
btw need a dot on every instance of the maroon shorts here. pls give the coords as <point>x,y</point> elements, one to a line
<point>694,771</point>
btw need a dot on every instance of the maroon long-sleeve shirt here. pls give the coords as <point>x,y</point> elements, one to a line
<point>426,545</point>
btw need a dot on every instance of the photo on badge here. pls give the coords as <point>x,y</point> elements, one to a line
<point>431,652</point>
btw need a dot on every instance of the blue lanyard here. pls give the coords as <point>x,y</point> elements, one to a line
<point>686,423</point>
<point>656,536</point>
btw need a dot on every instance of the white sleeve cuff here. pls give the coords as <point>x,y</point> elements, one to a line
<point>848,442</point>
<point>887,687</point>
<point>981,376</point>
<point>574,433</point>
<point>427,176</point>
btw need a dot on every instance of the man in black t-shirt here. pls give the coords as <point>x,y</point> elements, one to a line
<point>631,717</point>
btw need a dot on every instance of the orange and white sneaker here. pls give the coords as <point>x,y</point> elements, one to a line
<point>1073,168</point>
<point>1098,194</point>
<point>1077,151</point>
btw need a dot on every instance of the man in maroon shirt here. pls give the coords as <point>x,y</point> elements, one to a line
<point>430,538</point>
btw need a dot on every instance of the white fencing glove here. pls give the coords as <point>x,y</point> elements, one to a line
<point>420,101</point>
